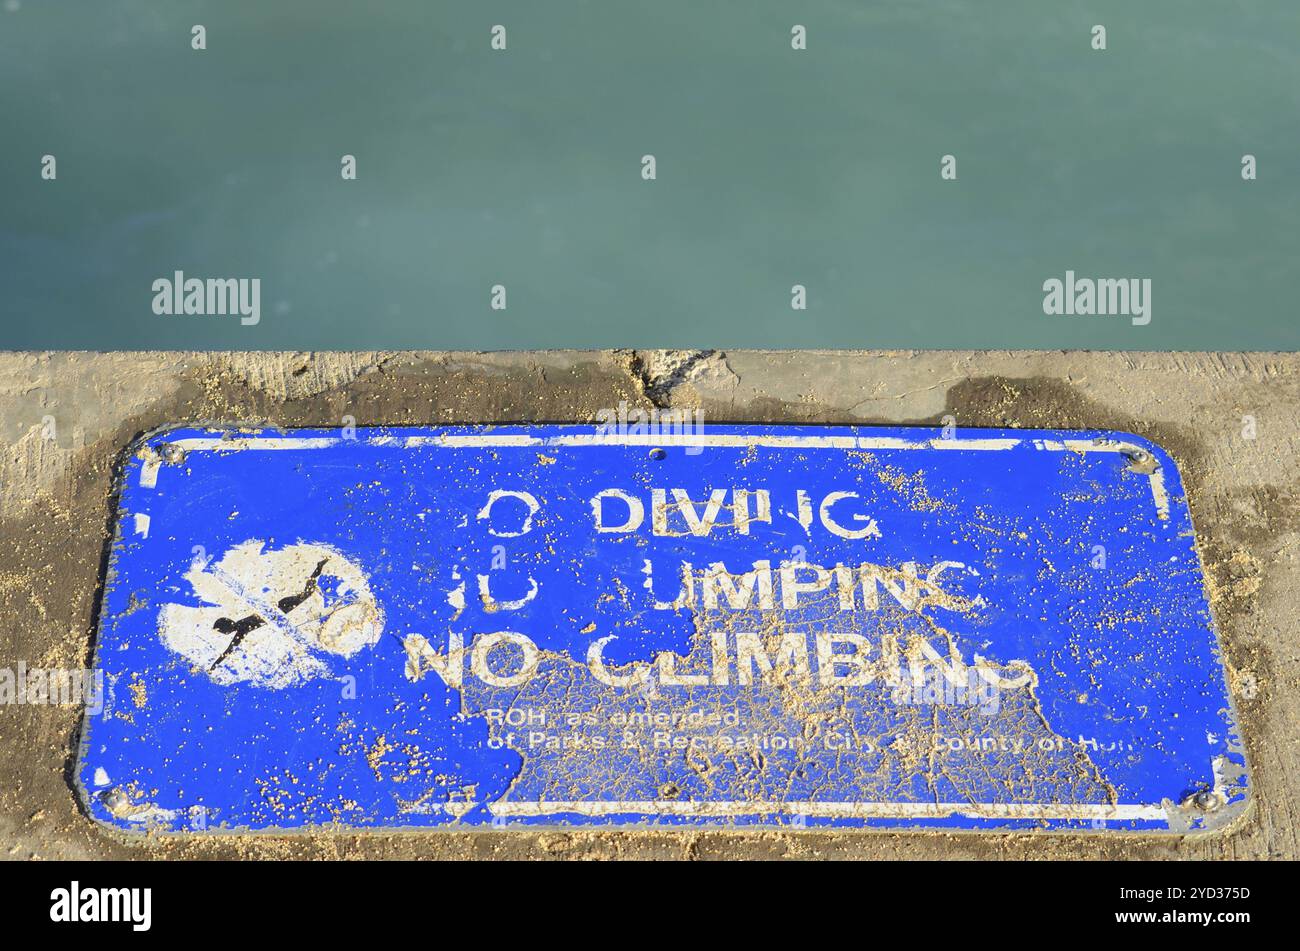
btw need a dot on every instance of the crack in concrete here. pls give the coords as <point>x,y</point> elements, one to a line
<point>659,372</point>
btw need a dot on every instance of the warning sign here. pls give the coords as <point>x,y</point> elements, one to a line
<point>558,625</point>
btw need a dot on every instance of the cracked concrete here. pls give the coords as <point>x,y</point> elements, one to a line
<point>65,417</point>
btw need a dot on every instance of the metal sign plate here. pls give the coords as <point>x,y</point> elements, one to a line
<point>620,625</point>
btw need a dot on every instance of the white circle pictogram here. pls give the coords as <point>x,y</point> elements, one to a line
<point>273,617</point>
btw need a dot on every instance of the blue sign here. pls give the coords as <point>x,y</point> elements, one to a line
<point>656,622</point>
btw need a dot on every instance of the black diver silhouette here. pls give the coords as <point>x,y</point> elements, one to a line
<point>246,625</point>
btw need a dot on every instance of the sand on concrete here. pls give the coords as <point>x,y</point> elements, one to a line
<point>1231,421</point>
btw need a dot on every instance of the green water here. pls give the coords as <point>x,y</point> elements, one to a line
<point>775,167</point>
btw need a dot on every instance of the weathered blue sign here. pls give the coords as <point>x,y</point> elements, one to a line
<point>637,624</point>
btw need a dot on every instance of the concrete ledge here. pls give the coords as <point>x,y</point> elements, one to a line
<point>64,418</point>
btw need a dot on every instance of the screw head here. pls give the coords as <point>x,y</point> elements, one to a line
<point>1206,800</point>
<point>1139,460</point>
